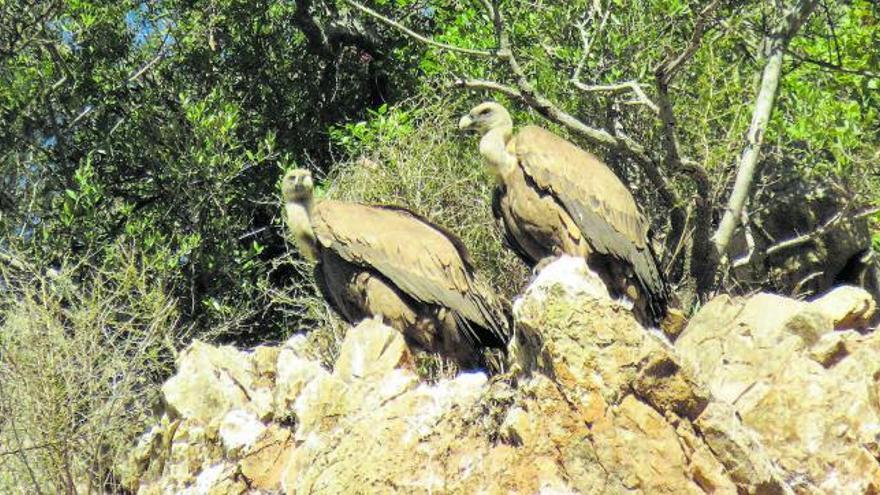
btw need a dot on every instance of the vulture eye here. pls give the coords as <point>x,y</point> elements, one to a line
<point>484,111</point>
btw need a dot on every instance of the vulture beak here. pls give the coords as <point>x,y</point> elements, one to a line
<point>465,123</point>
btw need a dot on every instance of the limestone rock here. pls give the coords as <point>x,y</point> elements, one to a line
<point>209,382</point>
<point>370,350</point>
<point>759,395</point>
<point>264,462</point>
<point>239,428</point>
<point>848,307</point>
<point>829,350</point>
<point>567,276</point>
<point>294,373</point>
<point>807,393</point>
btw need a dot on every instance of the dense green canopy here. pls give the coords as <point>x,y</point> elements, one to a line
<point>151,136</point>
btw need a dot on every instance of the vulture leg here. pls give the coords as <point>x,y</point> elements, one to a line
<point>623,285</point>
<point>358,293</point>
<point>335,279</point>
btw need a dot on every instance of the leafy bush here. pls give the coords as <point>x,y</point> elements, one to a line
<point>413,155</point>
<point>409,155</point>
<point>80,363</point>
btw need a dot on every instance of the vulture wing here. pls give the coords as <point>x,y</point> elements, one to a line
<point>596,199</point>
<point>509,239</point>
<point>417,256</point>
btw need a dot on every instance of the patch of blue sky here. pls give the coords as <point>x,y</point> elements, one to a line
<point>68,37</point>
<point>142,24</point>
<point>50,142</point>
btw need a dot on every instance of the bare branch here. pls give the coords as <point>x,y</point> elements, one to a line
<point>702,267</point>
<point>832,67</point>
<point>750,242</point>
<point>776,45</point>
<point>149,65</point>
<point>664,73</point>
<point>796,291</point>
<point>587,40</point>
<point>412,34</point>
<point>587,43</point>
<point>820,231</point>
<point>671,65</point>
<point>641,97</point>
<point>478,84</point>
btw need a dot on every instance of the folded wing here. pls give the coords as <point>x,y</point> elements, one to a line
<point>418,257</point>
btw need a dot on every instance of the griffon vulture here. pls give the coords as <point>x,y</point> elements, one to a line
<point>554,198</point>
<point>389,261</point>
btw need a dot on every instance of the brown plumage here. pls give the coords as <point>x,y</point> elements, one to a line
<point>389,261</point>
<point>554,198</point>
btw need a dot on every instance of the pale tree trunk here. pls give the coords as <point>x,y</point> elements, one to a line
<point>775,47</point>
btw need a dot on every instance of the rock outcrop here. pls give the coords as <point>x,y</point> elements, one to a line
<point>760,395</point>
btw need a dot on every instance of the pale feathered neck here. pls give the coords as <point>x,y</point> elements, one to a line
<point>493,148</point>
<point>299,220</point>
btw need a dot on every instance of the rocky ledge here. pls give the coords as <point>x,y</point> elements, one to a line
<point>760,395</point>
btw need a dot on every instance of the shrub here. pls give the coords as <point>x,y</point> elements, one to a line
<point>81,358</point>
<point>413,155</point>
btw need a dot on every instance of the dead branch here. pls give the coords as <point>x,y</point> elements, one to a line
<point>820,231</point>
<point>587,40</point>
<point>796,291</point>
<point>414,35</point>
<point>776,45</point>
<point>636,88</point>
<point>832,67</point>
<point>664,73</point>
<point>672,64</point>
<point>750,242</point>
<point>702,265</point>
<point>586,46</point>
<point>482,84</point>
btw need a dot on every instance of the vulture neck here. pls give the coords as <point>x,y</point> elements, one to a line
<point>493,147</point>
<point>299,218</point>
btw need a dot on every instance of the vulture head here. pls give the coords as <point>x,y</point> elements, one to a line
<point>296,189</point>
<point>493,123</point>
<point>485,117</point>
<point>297,185</point>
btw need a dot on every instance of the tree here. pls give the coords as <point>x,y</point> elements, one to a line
<point>657,119</point>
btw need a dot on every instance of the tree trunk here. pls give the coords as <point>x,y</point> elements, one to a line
<point>775,49</point>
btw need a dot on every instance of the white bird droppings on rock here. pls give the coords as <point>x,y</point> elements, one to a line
<point>240,428</point>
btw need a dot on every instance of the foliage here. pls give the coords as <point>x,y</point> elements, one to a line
<point>80,359</point>
<point>414,156</point>
<point>164,127</point>
<point>163,124</point>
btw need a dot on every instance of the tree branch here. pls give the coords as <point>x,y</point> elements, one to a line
<point>481,84</point>
<point>664,73</point>
<point>412,34</point>
<point>702,266</point>
<point>313,30</point>
<point>587,40</point>
<point>324,39</point>
<point>672,64</point>
<point>820,231</point>
<point>748,161</point>
<point>636,88</point>
<point>832,67</point>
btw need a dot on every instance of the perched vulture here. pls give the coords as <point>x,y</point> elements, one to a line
<point>554,198</point>
<point>390,262</point>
